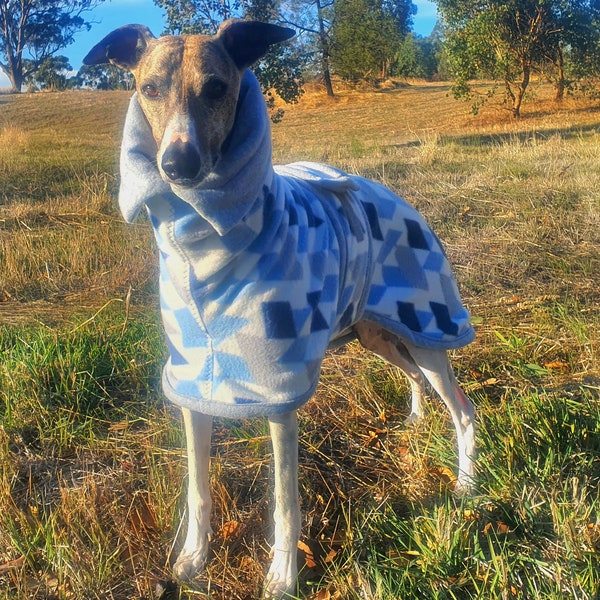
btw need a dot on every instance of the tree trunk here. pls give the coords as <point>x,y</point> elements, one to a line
<point>521,88</point>
<point>13,67</point>
<point>560,78</point>
<point>16,82</point>
<point>327,76</point>
<point>324,51</point>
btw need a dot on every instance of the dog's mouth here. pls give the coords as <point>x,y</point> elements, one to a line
<point>183,182</point>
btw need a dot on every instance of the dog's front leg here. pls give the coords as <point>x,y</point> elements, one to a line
<point>281,578</point>
<point>191,560</point>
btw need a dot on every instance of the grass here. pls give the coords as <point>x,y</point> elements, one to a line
<point>92,466</point>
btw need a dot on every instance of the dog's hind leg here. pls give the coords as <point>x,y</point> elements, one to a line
<point>379,341</point>
<point>281,578</point>
<point>192,558</point>
<point>434,365</point>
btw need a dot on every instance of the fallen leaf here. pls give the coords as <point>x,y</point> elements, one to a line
<point>309,557</point>
<point>141,516</point>
<point>374,436</point>
<point>229,530</point>
<point>444,473</point>
<point>502,528</point>
<point>12,565</point>
<point>481,384</point>
<point>498,527</point>
<point>557,365</point>
<point>330,556</point>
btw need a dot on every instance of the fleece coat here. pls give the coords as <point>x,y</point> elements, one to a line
<point>262,267</point>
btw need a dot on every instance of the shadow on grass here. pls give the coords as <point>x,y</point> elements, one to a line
<point>500,139</point>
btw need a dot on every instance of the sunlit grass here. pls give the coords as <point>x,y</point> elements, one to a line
<point>92,467</point>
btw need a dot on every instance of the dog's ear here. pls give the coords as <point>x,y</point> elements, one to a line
<point>247,41</point>
<point>122,47</point>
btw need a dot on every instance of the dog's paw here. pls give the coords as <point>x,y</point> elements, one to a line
<point>464,486</point>
<point>189,564</point>
<point>280,582</point>
<point>413,419</point>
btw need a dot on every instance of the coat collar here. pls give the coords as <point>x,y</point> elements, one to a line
<point>230,192</point>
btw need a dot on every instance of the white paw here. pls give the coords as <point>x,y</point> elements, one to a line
<point>281,578</point>
<point>465,485</point>
<point>190,563</point>
<point>413,419</point>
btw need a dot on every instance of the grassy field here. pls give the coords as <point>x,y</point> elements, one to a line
<point>92,467</point>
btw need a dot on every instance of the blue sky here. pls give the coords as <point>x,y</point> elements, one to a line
<point>114,13</point>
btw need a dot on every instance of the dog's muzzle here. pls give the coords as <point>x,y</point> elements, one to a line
<point>181,162</point>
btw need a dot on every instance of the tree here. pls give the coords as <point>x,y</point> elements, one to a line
<point>280,70</point>
<point>313,18</point>
<point>582,64</point>
<point>31,31</point>
<point>417,57</point>
<point>197,16</point>
<point>366,35</point>
<point>52,74</point>
<point>492,39</point>
<point>104,77</point>
<point>575,51</point>
<point>509,41</point>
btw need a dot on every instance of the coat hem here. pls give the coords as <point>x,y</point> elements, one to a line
<point>231,410</point>
<point>420,339</point>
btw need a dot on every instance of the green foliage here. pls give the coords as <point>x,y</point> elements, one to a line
<point>417,57</point>
<point>52,74</point>
<point>509,41</point>
<point>365,37</point>
<point>531,532</point>
<point>197,16</point>
<point>60,381</point>
<point>579,57</point>
<point>104,77</point>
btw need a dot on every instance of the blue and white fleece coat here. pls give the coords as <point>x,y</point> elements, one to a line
<point>261,268</point>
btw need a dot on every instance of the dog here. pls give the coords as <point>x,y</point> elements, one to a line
<point>263,268</point>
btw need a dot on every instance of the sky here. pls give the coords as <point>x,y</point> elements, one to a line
<point>113,13</point>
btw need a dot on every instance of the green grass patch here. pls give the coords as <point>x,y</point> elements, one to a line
<point>60,382</point>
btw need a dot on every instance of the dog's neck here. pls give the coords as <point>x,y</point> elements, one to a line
<point>230,192</point>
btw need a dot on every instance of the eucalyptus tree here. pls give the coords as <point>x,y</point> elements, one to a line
<point>32,31</point>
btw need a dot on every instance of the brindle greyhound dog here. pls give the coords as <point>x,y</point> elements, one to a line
<point>188,89</point>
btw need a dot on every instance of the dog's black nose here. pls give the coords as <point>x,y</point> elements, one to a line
<point>181,160</point>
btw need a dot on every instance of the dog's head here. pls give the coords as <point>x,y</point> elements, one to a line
<point>188,87</point>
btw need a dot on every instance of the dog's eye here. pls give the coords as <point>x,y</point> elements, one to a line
<point>214,89</point>
<point>150,90</point>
